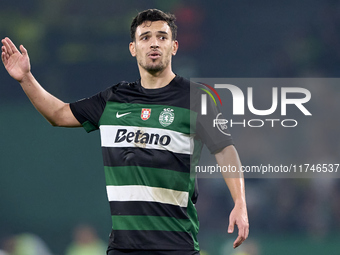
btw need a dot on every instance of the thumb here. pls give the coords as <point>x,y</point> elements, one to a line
<point>231,227</point>
<point>23,50</point>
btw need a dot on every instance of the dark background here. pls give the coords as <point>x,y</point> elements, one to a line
<point>52,179</point>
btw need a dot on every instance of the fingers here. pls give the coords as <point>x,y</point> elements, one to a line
<point>3,49</point>
<point>6,46</point>
<point>3,57</point>
<point>8,49</point>
<point>4,54</point>
<point>242,235</point>
<point>243,232</point>
<point>9,45</point>
<point>239,240</point>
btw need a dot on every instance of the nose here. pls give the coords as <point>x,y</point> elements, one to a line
<point>154,43</point>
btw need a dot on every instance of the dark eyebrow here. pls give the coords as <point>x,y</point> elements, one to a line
<point>148,32</point>
<point>145,33</point>
<point>163,32</point>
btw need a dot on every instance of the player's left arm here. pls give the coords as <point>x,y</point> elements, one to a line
<point>235,182</point>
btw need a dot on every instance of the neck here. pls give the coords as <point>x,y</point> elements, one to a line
<point>156,80</point>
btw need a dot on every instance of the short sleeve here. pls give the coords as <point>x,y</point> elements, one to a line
<point>89,110</point>
<point>212,128</point>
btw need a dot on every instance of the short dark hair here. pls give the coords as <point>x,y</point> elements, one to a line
<point>153,15</point>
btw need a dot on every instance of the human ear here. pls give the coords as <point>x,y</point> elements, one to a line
<point>174,47</point>
<point>132,49</point>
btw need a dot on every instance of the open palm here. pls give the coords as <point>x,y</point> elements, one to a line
<point>16,63</point>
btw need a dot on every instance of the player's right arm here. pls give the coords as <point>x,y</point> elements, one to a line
<point>18,66</point>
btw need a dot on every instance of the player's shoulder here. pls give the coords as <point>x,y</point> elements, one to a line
<point>122,85</point>
<point>108,93</point>
<point>198,85</point>
<point>194,87</point>
<point>197,88</point>
<point>181,80</point>
<point>181,83</point>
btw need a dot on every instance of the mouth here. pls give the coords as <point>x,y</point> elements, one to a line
<point>154,54</point>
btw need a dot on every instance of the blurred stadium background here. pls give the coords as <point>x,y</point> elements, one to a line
<point>52,180</point>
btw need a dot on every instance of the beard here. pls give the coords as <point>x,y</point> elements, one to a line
<point>154,66</point>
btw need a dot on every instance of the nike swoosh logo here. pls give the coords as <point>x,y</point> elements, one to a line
<point>121,115</point>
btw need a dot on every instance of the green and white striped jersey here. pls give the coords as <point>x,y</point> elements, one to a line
<point>151,141</point>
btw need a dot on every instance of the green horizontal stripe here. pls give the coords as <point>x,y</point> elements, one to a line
<point>181,122</point>
<point>132,222</point>
<point>147,176</point>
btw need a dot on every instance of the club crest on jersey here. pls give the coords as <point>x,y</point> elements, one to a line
<point>145,114</point>
<point>166,117</point>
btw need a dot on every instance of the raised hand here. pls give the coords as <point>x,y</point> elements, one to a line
<point>16,63</point>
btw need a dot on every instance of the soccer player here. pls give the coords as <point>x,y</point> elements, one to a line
<point>151,139</point>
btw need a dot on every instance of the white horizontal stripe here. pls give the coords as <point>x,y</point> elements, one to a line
<point>179,142</point>
<point>148,194</point>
